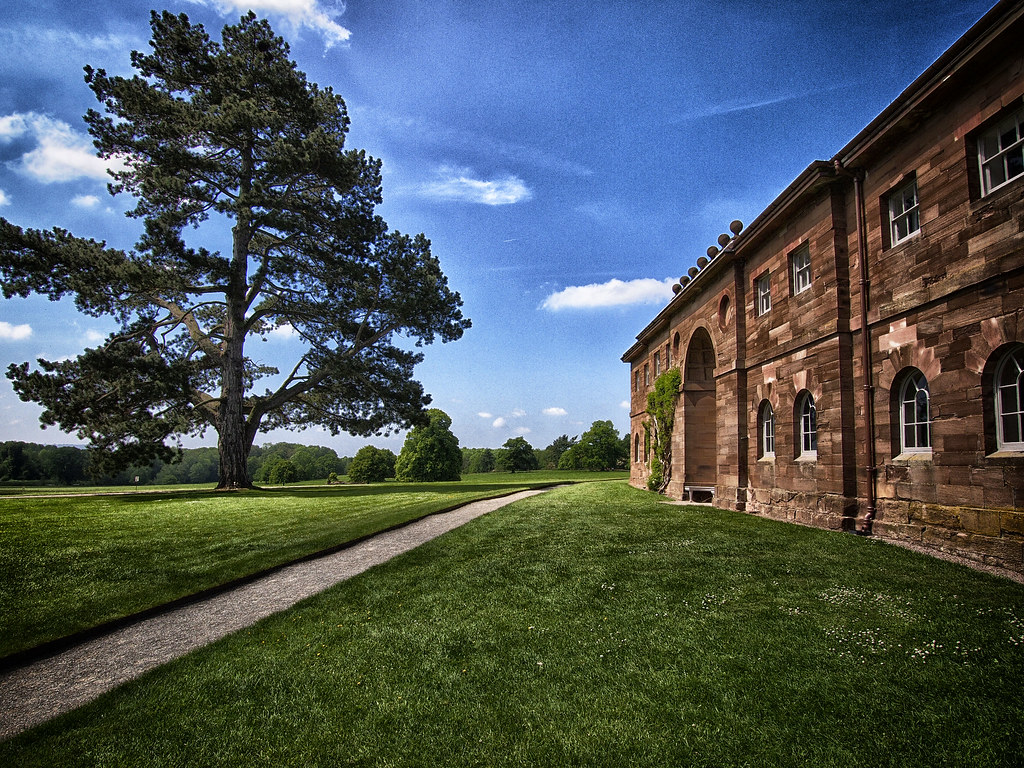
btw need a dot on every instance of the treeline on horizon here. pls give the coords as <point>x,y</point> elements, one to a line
<point>275,463</point>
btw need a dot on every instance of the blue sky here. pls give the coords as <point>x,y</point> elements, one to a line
<point>568,160</point>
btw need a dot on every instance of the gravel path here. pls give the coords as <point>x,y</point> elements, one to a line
<point>51,686</point>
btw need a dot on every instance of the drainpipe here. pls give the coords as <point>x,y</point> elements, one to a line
<point>865,339</point>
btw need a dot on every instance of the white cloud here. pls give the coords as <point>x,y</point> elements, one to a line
<point>522,431</point>
<point>297,13</point>
<point>518,413</point>
<point>614,293</point>
<point>485,415</point>
<point>4,199</point>
<point>555,412</point>
<point>499,422</point>
<point>85,201</point>
<point>458,184</point>
<point>94,337</point>
<point>61,153</point>
<point>626,404</point>
<point>10,332</point>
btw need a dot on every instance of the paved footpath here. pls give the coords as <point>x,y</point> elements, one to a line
<point>39,691</point>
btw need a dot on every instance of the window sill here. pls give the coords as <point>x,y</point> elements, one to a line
<point>1006,455</point>
<point>809,457</point>
<point>767,459</point>
<point>913,457</point>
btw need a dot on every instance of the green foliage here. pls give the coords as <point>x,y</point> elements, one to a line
<point>517,455</point>
<point>551,455</point>
<point>371,465</point>
<point>661,407</point>
<point>431,452</point>
<point>599,448</point>
<point>477,461</point>
<point>231,135</point>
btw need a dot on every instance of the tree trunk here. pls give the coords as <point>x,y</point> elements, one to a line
<point>233,441</point>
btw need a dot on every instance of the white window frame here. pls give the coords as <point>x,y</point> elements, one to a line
<point>904,213</point>
<point>1004,391</point>
<point>763,294</point>
<point>1001,152</point>
<point>915,431</point>
<point>800,269</point>
<point>807,419</point>
<point>657,365</point>
<point>766,431</point>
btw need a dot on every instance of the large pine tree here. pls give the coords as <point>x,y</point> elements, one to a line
<point>233,135</point>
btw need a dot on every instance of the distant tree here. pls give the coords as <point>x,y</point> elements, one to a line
<point>371,465</point>
<point>482,461</point>
<point>553,452</point>
<point>283,471</point>
<point>431,452</point>
<point>63,465</point>
<point>231,135</point>
<point>14,464</point>
<point>599,448</point>
<point>517,455</point>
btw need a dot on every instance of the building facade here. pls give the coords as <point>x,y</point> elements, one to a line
<point>854,357</point>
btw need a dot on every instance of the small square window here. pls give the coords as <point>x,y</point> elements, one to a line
<point>763,294</point>
<point>800,269</point>
<point>1001,152</point>
<point>904,213</point>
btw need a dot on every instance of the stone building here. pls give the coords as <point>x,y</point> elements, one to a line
<point>854,357</point>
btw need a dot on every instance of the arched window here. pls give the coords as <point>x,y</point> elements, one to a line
<point>766,431</point>
<point>915,414</point>
<point>1009,395</point>
<point>807,426</point>
<point>636,448</point>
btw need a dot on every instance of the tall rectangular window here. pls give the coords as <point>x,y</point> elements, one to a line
<point>657,364</point>
<point>800,269</point>
<point>904,212</point>
<point>1001,152</point>
<point>763,294</point>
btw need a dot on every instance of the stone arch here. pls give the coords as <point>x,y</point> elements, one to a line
<point>700,444</point>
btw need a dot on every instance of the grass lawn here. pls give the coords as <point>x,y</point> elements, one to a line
<point>67,564</point>
<point>593,625</point>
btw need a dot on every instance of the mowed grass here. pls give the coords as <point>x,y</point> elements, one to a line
<point>68,564</point>
<point>593,625</point>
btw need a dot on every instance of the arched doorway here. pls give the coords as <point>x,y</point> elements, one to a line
<point>699,418</point>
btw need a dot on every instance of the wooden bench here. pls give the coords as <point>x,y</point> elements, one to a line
<point>706,493</point>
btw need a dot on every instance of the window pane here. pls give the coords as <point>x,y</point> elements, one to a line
<point>1015,162</point>
<point>1008,399</point>
<point>1011,428</point>
<point>1008,135</point>
<point>989,145</point>
<point>994,174</point>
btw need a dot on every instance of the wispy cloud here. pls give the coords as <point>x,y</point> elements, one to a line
<point>485,415</point>
<point>4,199</point>
<point>421,129</point>
<point>10,332</point>
<point>614,293</point>
<point>459,185</point>
<point>734,106</point>
<point>297,13</point>
<point>61,153</point>
<point>499,422</point>
<point>555,412</point>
